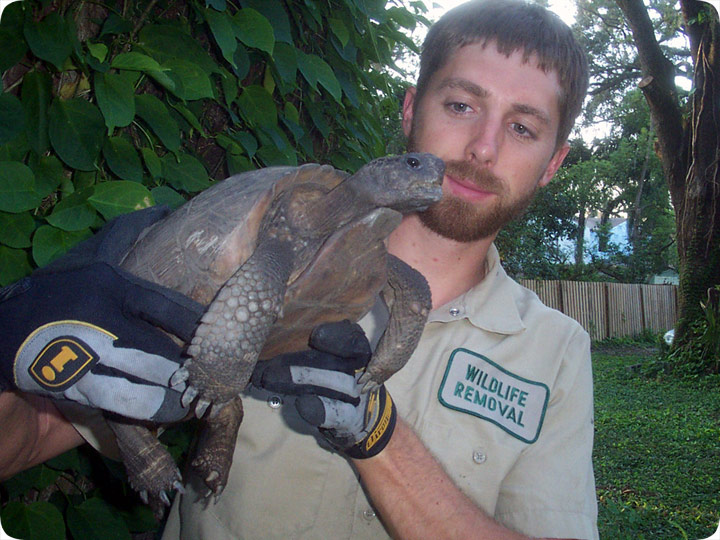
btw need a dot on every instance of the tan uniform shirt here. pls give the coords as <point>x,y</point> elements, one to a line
<point>499,390</point>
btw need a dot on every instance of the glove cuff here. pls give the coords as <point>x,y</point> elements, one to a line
<point>381,416</point>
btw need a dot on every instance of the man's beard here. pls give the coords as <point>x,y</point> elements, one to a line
<point>459,220</point>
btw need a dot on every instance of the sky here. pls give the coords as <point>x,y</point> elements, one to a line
<point>564,8</point>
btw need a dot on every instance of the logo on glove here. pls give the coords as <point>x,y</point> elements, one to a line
<point>62,362</point>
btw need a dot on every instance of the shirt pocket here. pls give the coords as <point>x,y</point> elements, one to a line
<point>476,454</point>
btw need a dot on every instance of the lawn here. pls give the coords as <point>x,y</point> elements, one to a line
<point>657,449</point>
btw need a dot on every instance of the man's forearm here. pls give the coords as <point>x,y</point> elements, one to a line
<point>33,430</point>
<point>417,499</point>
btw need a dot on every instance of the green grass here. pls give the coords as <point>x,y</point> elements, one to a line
<point>657,450</point>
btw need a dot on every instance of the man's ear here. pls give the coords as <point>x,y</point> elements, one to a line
<point>554,164</point>
<point>408,110</point>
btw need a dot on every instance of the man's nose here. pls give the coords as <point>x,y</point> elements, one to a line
<point>484,143</point>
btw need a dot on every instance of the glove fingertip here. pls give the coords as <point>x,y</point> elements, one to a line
<point>311,409</point>
<point>342,338</point>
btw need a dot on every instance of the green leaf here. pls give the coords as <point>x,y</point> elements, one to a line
<point>167,195</point>
<point>194,83</point>
<point>229,84</point>
<point>115,24</point>
<point>152,162</point>
<point>36,97</point>
<point>242,62</point>
<point>16,229</point>
<point>12,41</point>
<point>17,188</point>
<point>166,42</point>
<point>65,461</point>
<point>340,30</point>
<point>77,132</point>
<point>49,39</point>
<point>38,520</point>
<point>220,5</point>
<point>73,213</point>
<point>123,159</point>
<point>237,164</point>
<point>12,17</point>
<point>187,174</point>
<point>258,106</point>
<point>99,51</point>
<point>12,117</point>
<point>274,11</point>
<point>222,30</point>
<point>94,520</point>
<point>49,243</point>
<point>112,199</point>
<point>155,113</point>
<point>189,117</point>
<point>11,49</point>
<point>15,150</point>
<point>316,70</point>
<point>14,264</point>
<point>49,174</point>
<point>248,142</point>
<point>135,61</point>
<point>285,59</point>
<point>254,30</point>
<point>116,98</point>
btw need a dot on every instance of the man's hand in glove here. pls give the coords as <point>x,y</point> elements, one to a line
<point>82,329</point>
<point>325,379</point>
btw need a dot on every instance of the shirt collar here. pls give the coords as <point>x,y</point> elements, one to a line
<point>496,290</point>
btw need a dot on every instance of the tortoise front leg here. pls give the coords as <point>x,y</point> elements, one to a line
<point>233,330</point>
<point>151,470</point>
<point>408,298</point>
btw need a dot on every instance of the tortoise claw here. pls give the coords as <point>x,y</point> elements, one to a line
<point>179,377</point>
<point>144,496</point>
<point>201,407</point>
<point>367,383</point>
<point>178,487</point>
<point>164,498</point>
<point>188,396</point>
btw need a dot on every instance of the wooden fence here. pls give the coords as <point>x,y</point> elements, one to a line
<point>611,309</point>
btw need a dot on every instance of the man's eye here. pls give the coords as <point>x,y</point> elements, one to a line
<point>459,107</point>
<point>521,129</point>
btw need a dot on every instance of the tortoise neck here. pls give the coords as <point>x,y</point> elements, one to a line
<point>340,205</point>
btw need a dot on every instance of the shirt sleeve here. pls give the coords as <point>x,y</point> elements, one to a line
<point>551,488</point>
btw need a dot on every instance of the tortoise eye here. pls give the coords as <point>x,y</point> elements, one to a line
<point>412,162</point>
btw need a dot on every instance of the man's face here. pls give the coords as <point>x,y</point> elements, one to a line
<point>494,120</point>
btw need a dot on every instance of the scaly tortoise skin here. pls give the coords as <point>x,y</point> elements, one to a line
<point>273,253</point>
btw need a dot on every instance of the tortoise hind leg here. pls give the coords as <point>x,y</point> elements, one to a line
<point>233,330</point>
<point>151,470</point>
<point>215,447</point>
<point>408,298</point>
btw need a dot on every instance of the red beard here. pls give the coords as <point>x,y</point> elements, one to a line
<point>459,220</point>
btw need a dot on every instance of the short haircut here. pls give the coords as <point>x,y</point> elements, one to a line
<point>512,25</point>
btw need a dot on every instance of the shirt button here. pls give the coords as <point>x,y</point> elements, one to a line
<point>479,457</point>
<point>369,514</point>
<point>274,402</point>
<point>454,312</point>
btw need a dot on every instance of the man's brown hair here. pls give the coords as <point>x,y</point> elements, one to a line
<point>512,25</point>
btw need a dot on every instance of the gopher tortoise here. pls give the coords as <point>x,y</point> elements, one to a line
<point>273,253</point>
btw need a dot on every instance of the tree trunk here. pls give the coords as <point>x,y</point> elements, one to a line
<point>689,148</point>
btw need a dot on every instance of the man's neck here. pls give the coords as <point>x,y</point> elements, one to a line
<point>451,268</point>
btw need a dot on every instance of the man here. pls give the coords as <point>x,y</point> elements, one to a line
<point>493,429</point>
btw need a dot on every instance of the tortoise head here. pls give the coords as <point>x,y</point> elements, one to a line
<point>406,183</point>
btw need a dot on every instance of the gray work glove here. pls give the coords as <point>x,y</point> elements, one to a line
<point>81,329</point>
<point>329,397</point>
